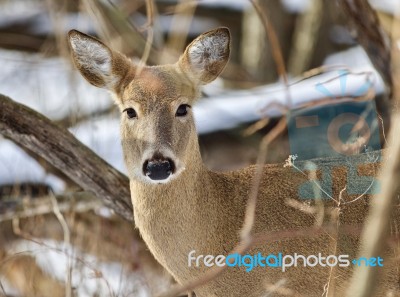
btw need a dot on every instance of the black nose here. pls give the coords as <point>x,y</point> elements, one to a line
<point>158,168</point>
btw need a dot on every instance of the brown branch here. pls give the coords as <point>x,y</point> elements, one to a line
<point>370,35</point>
<point>273,39</point>
<point>78,201</point>
<point>309,232</point>
<point>364,22</point>
<point>60,148</point>
<point>305,36</point>
<point>115,27</point>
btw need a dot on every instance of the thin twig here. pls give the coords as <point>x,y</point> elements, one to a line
<point>330,285</point>
<point>2,289</point>
<point>67,242</point>
<point>276,49</point>
<point>310,232</point>
<point>150,35</point>
<point>305,37</point>
<point>79,202</point>
<point>179,30</point>
<point>81,259</point>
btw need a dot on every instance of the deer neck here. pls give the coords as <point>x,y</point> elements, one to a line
<point>179,200</point>
<point>167,214</point>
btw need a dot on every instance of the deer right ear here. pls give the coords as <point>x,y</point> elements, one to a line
<point>207,55</point>
<point>97,63</point>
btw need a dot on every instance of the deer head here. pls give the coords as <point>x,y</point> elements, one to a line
<point>157,127</point>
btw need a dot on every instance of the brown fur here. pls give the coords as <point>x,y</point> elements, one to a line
<point>203,210</point>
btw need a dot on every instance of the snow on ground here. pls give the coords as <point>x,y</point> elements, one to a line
<point>102,135</point>
<point>16,166</point>
<point>48,85</point>
<point>296,6</point>
<point>52,87</point>
<point>228,4</point>
<point>90,277</point>
<point>388,6</point>
<point>234,108</point>
<point>299,6</point>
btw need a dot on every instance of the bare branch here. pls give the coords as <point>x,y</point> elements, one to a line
<point>369,33</point>
<point>79,202</point>
<point>115,27</point>
<point>364,22</point>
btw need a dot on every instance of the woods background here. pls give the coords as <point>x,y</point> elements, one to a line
<point>65,214</point>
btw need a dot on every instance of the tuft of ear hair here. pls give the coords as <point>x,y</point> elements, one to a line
<point>207,55</point>
<point>101,66</point>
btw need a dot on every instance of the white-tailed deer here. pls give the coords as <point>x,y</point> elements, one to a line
<point>181,206</point>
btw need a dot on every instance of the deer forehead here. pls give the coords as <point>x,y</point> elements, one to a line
<point>158,86</point>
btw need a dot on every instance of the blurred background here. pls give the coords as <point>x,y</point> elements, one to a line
<point>285,55</point>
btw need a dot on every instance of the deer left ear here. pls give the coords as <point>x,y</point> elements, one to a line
<point>207,55</point>
<point>101,66</point>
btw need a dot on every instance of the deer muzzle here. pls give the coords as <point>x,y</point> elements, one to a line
<point>158,168</point>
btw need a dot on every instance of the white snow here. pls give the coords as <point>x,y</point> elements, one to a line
<point>48,85</point>
<point>16,166</point>
<point>52,87</point>
<point>40,21</point>
<point>235,108</point>
<point>388,6</point>
<point>230,4</point>
<point>90,277</point>
<point>102,135</point>
<point>296,6</point>
<point>300,6</point>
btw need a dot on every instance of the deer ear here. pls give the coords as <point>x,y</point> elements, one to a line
<point>207,55</point>
<point>101,66</point>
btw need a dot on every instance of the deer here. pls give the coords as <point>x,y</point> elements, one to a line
<point>181,207</point>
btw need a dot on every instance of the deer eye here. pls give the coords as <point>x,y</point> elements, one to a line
<point>131,113</point>
<point>182,110</point>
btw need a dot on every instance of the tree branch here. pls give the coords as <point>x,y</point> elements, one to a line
<point>365,24</point>
<point>60,148</point>
<point>370,35</point>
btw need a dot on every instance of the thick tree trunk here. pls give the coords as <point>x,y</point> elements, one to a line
<point>60,148</point>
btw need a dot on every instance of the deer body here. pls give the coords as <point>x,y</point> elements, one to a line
<point>181,206</point>
<point>210,221</point>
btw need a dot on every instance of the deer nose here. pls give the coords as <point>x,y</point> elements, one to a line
<point>158,168</point>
